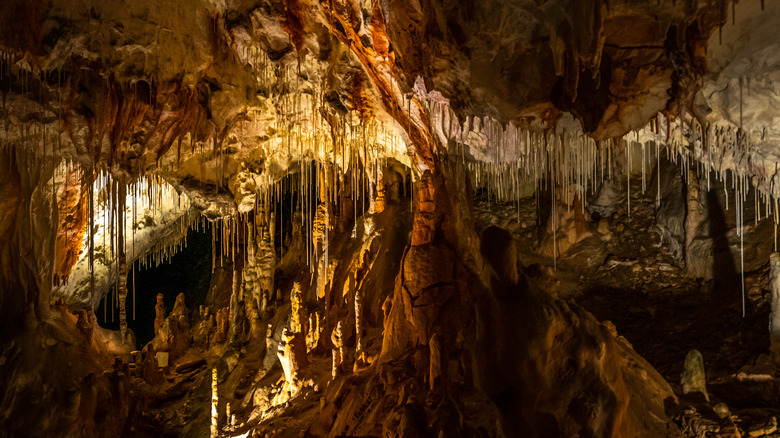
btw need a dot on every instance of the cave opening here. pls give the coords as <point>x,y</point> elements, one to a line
<point>188,272</point>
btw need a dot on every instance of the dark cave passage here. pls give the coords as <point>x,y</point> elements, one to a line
<point>187,272</point>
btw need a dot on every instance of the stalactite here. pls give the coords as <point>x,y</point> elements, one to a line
<point>628,176</point>
<point>121,261</point>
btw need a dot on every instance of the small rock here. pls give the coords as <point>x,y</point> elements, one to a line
<point>694,378</point>
<point>721,410</point>
<point>729,431</point>
<point>603,227</point>
<point>765,428</point>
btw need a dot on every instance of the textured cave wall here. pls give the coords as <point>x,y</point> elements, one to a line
<point>29,228</point>
<point>609,63</point>
<point>565,373</point>
<point>50,358</point>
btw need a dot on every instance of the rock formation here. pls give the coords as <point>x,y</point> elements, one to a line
<point>159,310</point>
<point>694,379</point>
<point>222,326</point>
<point>214,404</point>
<point>337,339</point>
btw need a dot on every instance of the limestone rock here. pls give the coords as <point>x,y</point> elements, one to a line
<point>159,310</point>
<point>765,428</point>
<point>694,380</point>
<point>222,326</point>
<point>336,338</point>
<point>670,209</point>
<point>721,410</point>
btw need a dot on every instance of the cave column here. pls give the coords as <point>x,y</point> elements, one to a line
<point>696,224</point>
<point>338,349</point>
<point>322,228</point>
<point>214,404</point>
<point>122,258</point>
<point>264,260</point>
<point>424,228</point>
<point>237,304</point>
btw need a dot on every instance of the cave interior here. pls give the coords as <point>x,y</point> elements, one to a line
<point>389,218</point>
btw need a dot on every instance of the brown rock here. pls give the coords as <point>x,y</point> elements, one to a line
<point>159,310</point>
<point>220,336</point>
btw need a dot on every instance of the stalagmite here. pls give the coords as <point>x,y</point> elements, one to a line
<point>237,321</point>
<point>338,349</point>
<point>84,325</point>
<point>358,322</point>
<point>255,324</point>
<point>292,348</point>
<point>159,310</point>
<point>264,304</point>
<point>774,315</point>
<point>220,336</point>
<point>696,226</point>
<point>694,379</point>
<point>269,338</point>
<point>179,307</point>
<point>379,200</point>
<point>298,311</point>
<point>287,358</point>
<point>214,404</point>
<point>313,334</point>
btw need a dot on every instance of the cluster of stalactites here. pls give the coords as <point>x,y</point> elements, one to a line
<point>316,152</point>
<point>306,127</point>
<point>508,164</point>
<point>143,222</point>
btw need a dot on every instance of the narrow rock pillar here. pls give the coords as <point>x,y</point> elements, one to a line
<point>214,404</point>
<point>694,379</point>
